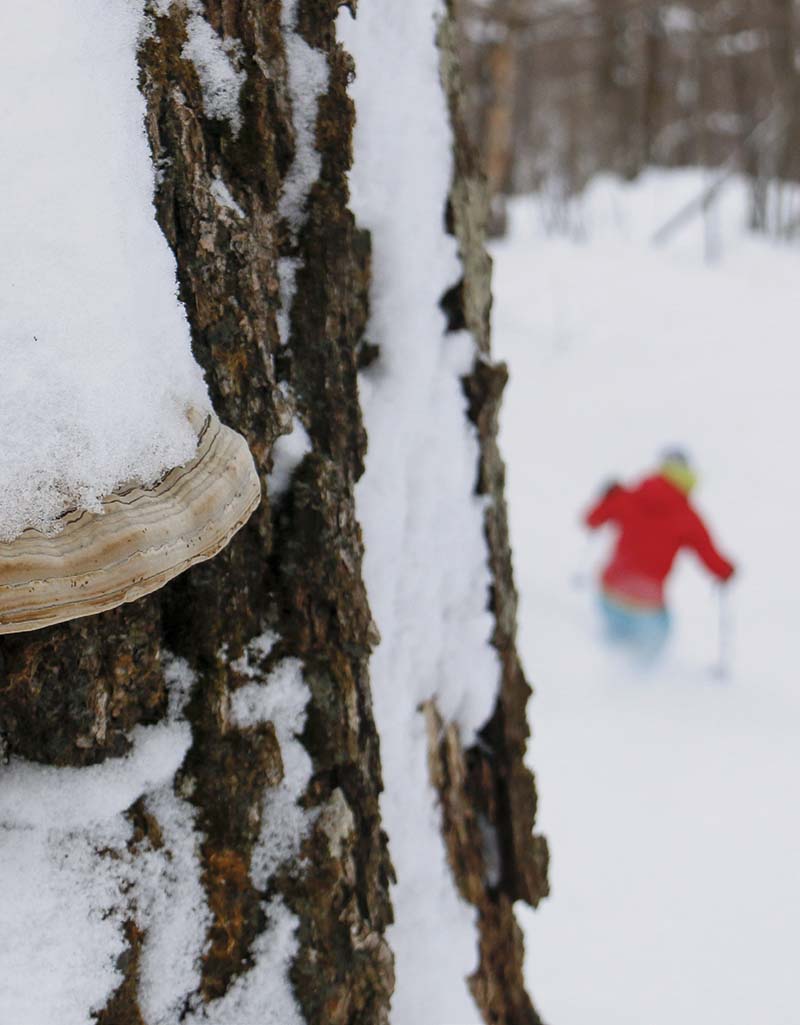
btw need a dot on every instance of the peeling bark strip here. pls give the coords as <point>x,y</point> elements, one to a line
<point>472,824</point>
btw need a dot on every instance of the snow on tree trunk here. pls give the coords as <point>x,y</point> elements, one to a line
<point>191,826</point>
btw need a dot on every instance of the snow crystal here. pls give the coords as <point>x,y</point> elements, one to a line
<point>287,454</point>
<point>180,679</point>
<point>288,266</point>
<point>281,700</point>
<point>222,194</point>
<point>249,665</point>
<point>425,553</point>
<point>41,796</point>
<point>263,996</point>
<point>171,910</point>
<point>53,823</point>
<point>97,366</point>
<point>213,58</point>
<point>308,80</point>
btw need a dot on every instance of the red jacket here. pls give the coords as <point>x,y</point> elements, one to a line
<point>655,520</point>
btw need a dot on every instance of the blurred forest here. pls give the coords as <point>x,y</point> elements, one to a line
<point>560,90</point>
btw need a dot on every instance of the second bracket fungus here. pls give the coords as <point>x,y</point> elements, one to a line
<point>141,538</point>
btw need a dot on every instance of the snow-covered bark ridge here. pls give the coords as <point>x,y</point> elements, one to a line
<point>437,549</point>
<point>213,57</point>
<point>426,556</point>
<point>54,821</point>
<point>308,81</point>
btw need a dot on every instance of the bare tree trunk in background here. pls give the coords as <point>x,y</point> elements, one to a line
<point>621,84</point>
<point>782,42</point>
<point>654,86</point>
<point>493,69</point>
<point>488,796</point>
<point>499,131</point>
<point>70,695</point>
<point>616,87</point>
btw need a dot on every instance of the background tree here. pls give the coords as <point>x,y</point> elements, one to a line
<point>618,85</point>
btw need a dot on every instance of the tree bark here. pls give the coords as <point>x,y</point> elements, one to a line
<point>488,795</point>
<point>71,695</point>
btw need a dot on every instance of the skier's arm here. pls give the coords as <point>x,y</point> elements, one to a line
<point>701,543</point>
<point>609,508</point>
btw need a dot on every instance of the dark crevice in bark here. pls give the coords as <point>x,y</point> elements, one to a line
<point>452,305</point>
<point>70,694</point>
<point>123,1007</point>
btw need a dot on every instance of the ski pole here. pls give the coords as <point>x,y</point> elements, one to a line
<point>582,576</point>
<point>723,666</point>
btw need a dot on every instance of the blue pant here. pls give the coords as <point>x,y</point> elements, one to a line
<point>643,631</point>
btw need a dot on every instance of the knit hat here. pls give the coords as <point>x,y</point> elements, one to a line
<point>675,466</point>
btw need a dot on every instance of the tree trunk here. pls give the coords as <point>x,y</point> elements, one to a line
<point>274,810</point>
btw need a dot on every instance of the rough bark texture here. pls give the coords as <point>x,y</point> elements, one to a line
<point>70,695</point>
<point>298,567</point>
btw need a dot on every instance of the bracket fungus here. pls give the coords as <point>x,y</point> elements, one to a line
<point>141,538</point>
<point>97,365</point>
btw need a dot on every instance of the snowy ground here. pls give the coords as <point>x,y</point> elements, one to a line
<point>668,798</point>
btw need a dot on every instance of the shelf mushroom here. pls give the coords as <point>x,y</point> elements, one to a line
<point>97,364</point>
<point>141,539</point>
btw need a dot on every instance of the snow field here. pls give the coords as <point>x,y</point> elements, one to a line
<point>666,796</point>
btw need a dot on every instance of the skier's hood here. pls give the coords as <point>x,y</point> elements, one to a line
<point>658,495</point>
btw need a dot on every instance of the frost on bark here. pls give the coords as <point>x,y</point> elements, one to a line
<point>70,695</point>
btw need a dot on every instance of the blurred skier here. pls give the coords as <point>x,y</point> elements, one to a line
<point>654,520</point>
